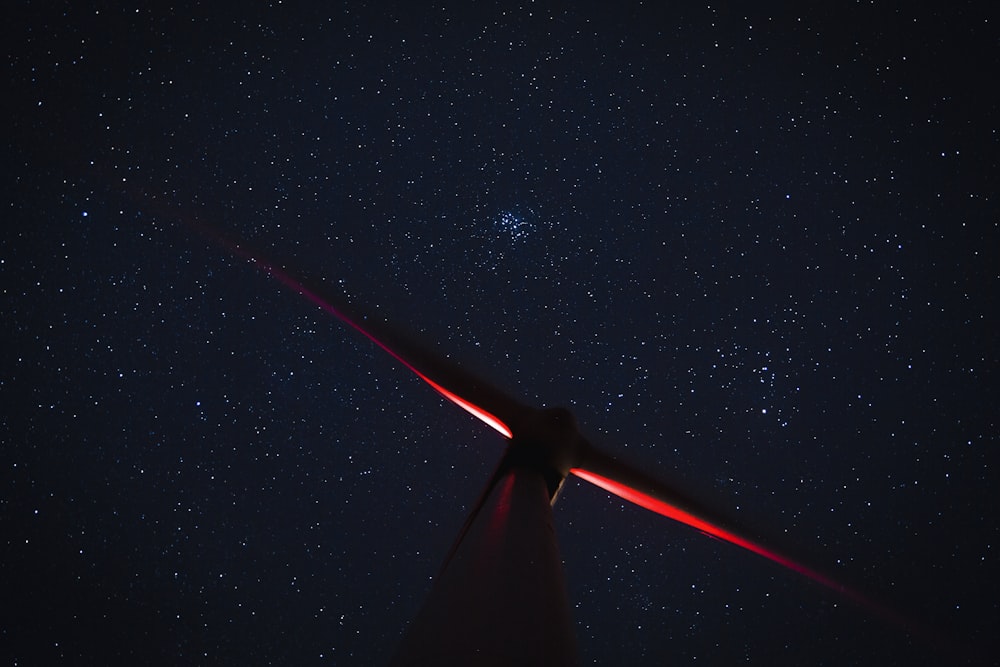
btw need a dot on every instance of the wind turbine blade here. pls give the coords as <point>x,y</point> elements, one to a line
<point>477,397</point>
<point>427,368</point>
<point>635,486</point>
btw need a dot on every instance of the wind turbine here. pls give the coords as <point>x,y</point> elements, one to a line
<point>500,597</point>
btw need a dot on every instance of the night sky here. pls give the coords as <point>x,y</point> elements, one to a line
<point>754,251</point>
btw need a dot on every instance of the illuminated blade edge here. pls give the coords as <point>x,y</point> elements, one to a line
<point>671,511</point>
<point>473,409</point>
<point>286,279</point>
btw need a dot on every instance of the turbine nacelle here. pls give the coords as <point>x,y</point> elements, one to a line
<point>548,439</point>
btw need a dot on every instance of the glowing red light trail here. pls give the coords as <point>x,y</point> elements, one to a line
<point>670,511</point>
<point>485,416</point>
<point>677,514</point>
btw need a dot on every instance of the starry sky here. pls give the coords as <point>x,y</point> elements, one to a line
<point>754,251</point>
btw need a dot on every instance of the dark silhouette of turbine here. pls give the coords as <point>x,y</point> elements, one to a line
<point>500,597</point>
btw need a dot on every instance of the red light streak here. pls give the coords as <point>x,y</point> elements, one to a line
<point>672,512</point>
<point>284,278</point>
<point>487,418</point>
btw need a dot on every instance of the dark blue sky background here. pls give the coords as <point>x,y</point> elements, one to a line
<point>753,250</point>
